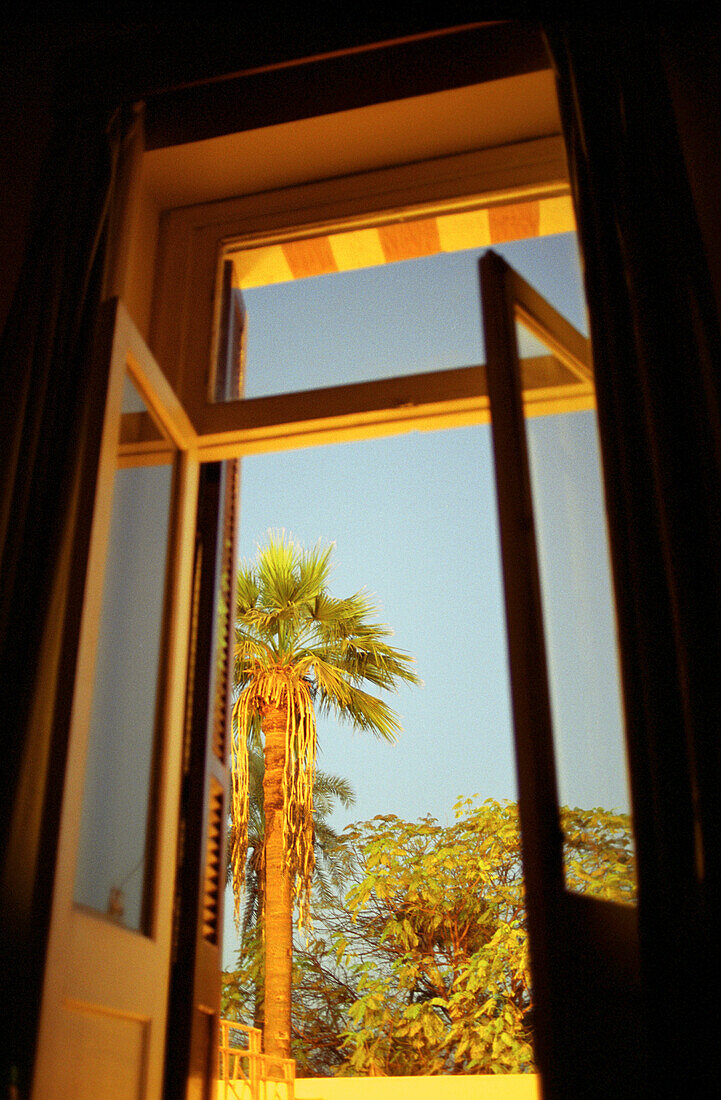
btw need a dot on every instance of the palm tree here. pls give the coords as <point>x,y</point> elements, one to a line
<point>297,648</point>
<point>330,862</point>
<point>328,790</point>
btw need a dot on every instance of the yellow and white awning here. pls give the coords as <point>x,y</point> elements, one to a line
<point>404,240</point>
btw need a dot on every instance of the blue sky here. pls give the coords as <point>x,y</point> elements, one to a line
<point>413,520</point>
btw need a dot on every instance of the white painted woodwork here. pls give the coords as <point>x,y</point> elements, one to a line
<point>102,1028</point>
<point>494,114</point>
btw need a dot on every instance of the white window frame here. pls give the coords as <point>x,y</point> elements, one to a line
<point>185,317</point>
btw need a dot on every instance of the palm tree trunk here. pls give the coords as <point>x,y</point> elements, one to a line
<point>259,998</point>
<point>278,899</point>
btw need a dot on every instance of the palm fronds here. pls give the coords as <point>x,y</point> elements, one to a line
<point>299,648</point>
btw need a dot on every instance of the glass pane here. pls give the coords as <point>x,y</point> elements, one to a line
<point>579,625</point>
<point>114,856</point>
<point>290,332</point>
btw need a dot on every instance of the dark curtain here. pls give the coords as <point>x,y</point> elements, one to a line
<point>49,427</point>
<point>655,335</point>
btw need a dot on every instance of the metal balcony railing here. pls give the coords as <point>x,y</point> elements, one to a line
<point>245,1073</point>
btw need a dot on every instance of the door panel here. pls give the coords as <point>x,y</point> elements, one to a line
<point>103,1013</point>
<point>110,1055</point>
<point>584,948</point>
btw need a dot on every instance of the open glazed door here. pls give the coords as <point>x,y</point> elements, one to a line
<point>105,998</point>
<point>568,720</point>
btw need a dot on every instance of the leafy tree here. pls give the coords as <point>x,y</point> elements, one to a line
<point>297,648</point>
<point>424,962</point>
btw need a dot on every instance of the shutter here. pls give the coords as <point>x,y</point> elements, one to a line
<point>194,999</point>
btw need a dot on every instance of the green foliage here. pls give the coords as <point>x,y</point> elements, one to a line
<point>442,909</point>
<point>597,855</point>
<point>242,989</point>
<point>438,934</point>
<point>421,965</point>
<point>287,622</point>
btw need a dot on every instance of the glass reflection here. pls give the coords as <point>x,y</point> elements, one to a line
<point>114,855</point>
<point>580,636</point>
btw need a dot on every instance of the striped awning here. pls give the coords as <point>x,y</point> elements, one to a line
<point>403,240</point>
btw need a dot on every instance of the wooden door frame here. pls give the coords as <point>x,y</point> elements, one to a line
<point>119,350</point>
<point>585,952</point>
